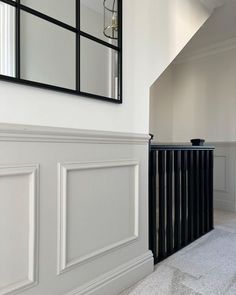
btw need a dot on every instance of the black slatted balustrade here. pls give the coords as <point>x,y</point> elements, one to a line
<point>180,196</point>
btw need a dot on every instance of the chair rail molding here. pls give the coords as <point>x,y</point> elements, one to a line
<point>14,132</point>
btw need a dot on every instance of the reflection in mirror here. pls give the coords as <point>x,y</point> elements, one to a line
<point>62,10</point>
<point>40,51</point>
<point>99,69</point>
<point>7,40</point>
<point>47,52</point>
<point>110,19</point>
<point>96,18</point>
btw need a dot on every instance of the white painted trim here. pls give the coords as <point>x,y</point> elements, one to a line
<point>226,178</point>
<point>123,274</point>
<point>63,169</point>
<point>213,49</point>
<point>33,172</point>
<point>222,143</point>
<point>7,40</point>
<point>27,133</point>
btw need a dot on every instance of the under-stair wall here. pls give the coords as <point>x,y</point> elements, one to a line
<point>195,98</point>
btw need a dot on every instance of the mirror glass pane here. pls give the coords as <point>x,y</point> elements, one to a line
<point>62,10</point>
<point>7,40</point>
<point>47,52</point>
<point>93,18</point>
<point>99,69</point>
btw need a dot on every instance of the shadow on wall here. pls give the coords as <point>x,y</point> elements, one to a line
<point>161,107</point>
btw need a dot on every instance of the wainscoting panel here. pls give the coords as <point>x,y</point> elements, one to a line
<point>18,227</point>
<point>79,224</point>
<point>85,190</point>
<point>221,176</point>
<point>224,175</point>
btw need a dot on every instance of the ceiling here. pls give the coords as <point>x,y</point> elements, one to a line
<point>219,27</point>
<point>96,5</point>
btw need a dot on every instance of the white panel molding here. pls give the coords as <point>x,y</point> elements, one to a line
<point>224,195</point>
<point>33,172</point>
<point>224,189</point>
<point>27,133</point>
<point>120,274</point>
<point>63,169</point>
<point>213,49</point>
<point>223,144</point>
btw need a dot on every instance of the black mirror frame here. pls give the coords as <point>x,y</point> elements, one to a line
<point>78,33</point>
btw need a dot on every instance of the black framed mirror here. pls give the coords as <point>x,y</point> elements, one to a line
<point>71,46</point>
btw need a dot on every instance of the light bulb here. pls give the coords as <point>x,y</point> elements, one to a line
<point>114,21</point>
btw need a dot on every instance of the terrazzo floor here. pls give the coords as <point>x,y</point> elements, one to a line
<point>206,267</point>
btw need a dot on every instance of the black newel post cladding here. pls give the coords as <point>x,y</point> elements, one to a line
<point>180,195</point>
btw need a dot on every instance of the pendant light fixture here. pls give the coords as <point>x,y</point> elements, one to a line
<point>110,19</point>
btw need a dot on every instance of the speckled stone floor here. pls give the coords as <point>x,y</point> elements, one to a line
<point>206,267</point>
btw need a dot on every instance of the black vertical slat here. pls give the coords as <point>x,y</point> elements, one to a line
<point>211,205</point>
<point>202,194</point>
<point>184,227</point>
<point>153,203</point>
<point>206,189</point>
<point>190,196</point>
<point>177,221</point>
<point>169,202</point>
<point>196,233</point>
<point>161,232</point>
<point>17,41</point>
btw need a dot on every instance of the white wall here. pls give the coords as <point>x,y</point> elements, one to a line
<point>204,106</point>
<point>196,98</point>
<point>199,94</point>
<point>204,100</point>
<point>154,33</point>
<point>161,107</point>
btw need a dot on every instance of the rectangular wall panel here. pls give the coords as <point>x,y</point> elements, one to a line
<point>224,176</point>
<point>98,209</point>
<point>221,174</point>
<point>18,227</point>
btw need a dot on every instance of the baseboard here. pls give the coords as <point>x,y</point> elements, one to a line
<point>119,279</point>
